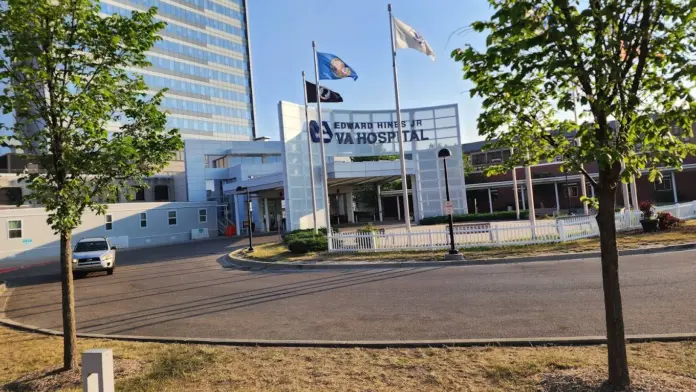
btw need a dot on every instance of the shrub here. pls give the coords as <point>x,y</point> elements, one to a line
<point>368,228</point>
<point>304,233</point>
<point>667,221</point>
<point>647,208</point>
<point>496,216</point>
<point>304,244</point>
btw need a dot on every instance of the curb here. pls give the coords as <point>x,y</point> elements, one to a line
<point>237,262</point>
<point>373,344</point>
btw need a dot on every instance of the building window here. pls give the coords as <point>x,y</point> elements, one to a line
<point>478,159</point>
<point>143,219</point>
<point>161,193</point>
<point>171,217</point>
<point>571,190</point>
<point>14,229</point>
<point>139,193</point>
<point>202,215</point>
<point>665,185</point>
<point>109,223</point>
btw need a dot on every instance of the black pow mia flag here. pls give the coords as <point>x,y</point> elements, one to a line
<point>326,94</point>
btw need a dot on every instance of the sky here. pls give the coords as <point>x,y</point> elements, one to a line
<point>358,31</point>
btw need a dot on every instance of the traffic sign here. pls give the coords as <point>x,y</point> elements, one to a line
<point>449,209</point>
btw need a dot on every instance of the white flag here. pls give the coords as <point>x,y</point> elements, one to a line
<point>407,37</point>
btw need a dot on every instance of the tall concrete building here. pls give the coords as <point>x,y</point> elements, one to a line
<point>204,59</point>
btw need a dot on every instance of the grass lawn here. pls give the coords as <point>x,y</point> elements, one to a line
<point>29,362</point>
<point>686,233</point>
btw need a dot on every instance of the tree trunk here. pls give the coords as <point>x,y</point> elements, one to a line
<point>616,341</point>
<point>68,300</point>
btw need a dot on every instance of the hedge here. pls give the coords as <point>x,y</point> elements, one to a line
<point>496,216</point>
<point>304,244</point>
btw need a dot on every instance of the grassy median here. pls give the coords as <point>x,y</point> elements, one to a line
<point>30,362</point>
<point>686,233</point>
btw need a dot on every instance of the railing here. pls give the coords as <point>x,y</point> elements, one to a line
<point>495,233</point>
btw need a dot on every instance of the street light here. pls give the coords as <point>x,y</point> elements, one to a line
<point>245,189</point>
<point>453,252</point>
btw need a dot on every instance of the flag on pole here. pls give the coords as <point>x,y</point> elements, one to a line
<point>407,37</point>
<point>332,67</point>
<point>325,94</point>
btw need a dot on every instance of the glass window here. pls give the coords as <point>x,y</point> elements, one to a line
<point>91,246</point>
<point>665,185</point>
<point>171,216</point>
<point>109,223</point>
<point>143,219</point>
<point>202,215</point>
<point>14,229</point>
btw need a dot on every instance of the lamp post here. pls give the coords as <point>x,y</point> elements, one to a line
<point>453,253</point>
<point>246,189</point>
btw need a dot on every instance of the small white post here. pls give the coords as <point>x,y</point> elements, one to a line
<point>98,370</point>
<point>379,202</point>
<point>561,229</point>
<point>558,202</point>
<point>674,189</point>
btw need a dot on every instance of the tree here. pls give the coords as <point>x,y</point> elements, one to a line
<point>64,70</point>
<point>631,62</point>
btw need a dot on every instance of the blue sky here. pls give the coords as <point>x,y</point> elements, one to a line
<point>358,31</point>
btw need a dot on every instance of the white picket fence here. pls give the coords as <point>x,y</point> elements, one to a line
<point>470,235</point>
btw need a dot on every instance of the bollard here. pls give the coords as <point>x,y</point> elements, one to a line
<point>98,370</point>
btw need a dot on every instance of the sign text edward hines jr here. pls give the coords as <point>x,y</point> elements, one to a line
<point>371,137</point>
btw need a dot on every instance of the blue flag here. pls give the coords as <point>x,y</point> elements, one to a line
<point>332,67</point>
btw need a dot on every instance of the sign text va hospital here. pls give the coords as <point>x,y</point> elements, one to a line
<point>371,137</point>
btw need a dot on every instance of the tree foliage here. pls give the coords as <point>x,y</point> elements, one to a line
<point>81,114</point>
<point>630,62</point>
<point>65,71</point>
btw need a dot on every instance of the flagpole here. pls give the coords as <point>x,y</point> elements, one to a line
<point>404,186</point>
<point>309,148</point>
<point>325,180</point>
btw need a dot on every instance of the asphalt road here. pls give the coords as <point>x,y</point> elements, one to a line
<point>182,291</point>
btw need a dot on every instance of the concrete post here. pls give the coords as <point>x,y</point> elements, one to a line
<point>266,215</point>
<point>558,201</point>
<point>379,202</point>
<point>398,208</point>
<point>98,370</point>
<point>490,201</point>
<point>674,189</point>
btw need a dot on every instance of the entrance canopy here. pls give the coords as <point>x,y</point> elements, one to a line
<point>370,133</point>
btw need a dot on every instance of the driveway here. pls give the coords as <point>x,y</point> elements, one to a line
<point>182,291</point>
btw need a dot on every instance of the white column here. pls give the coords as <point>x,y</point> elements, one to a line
<point>379,203</point>
<point>490,201</point>
<point>350,207</point>
<point>524,200</point>
<point>558,201</point>
<point>634,192</point>
<point>266,215</point>
<point>236,214</point>
<point>398,208</point>
<point>624,192</point>
<point>592,190</point>
<point>515,190</point>
<point>530,194</point>
<point>674,189</point>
